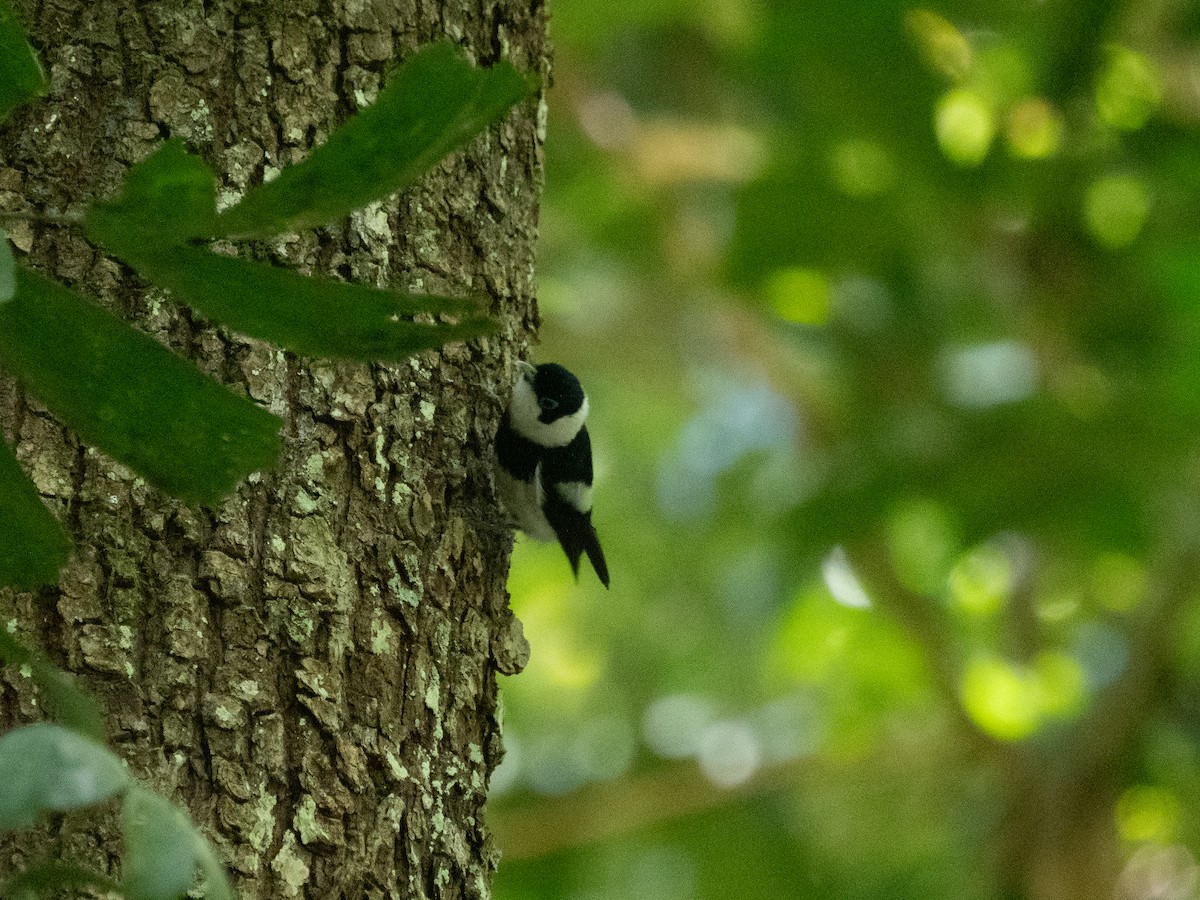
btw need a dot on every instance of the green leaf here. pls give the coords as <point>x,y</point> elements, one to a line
<point>310,316</point>
<point>163,850</point>
<point>48,768</point>
<point>433,104</point>
<point>8,275</point>
<point>130,396</point>
<point>160,859</point>
<point>33,545</point>
<point>72,706</point>
<point>21,75</point>
<point>42,880</point>
<point>167,198</point>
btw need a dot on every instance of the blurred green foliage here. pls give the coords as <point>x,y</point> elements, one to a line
<point>889,316</point>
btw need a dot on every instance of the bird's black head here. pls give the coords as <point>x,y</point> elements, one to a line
<point>558,392</point>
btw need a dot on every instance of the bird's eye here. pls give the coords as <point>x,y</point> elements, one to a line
<point>547,403</point>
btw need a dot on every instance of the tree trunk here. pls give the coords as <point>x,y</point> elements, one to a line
<point>310,668</point>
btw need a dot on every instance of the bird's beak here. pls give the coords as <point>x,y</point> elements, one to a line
<point>526,370</point>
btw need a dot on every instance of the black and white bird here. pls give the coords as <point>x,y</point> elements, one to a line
<point>545,463</point>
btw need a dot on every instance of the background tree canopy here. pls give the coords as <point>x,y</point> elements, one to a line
<point>890,316</point>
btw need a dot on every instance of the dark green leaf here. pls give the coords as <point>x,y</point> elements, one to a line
<point>71,705</point>
<point>433,104</point>
<point>163,850</point>
<point>41,880</point>
<point>168,198</point>
<point>130,396</point>
<point>160,859</point>
<point>8,277</point>
<point>33,546</point>
<point>48,768</point>
<point>21,75</point>
<point>311,316</point>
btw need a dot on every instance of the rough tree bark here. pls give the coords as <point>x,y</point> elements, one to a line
<point>310,668</point>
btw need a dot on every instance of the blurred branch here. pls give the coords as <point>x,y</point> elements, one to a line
<point>1115,721</point>
<point>1076,36</point>
<point>929,629</point>
<point>1059,831</point>
<point>602,811</point>
<point>1024,630</point>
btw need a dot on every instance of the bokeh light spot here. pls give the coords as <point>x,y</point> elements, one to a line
<point>799,295</point>
<point>674,725</point>
<point>603,748</point>
<point>729,753</point>
<point>607,118</point>
<point>812,638</point>
<point>843,584</point>
<point>965,125</point>
<point>943,47</point>
<point>738,420</point>
<point>1116,209</point>
<point>981,580</point>
<point>1160,872</point>
<point>1059,605</point>
<point>670,151</point>
<point>789,728</point>
<point>1103,651</point>
<point>561,663</point>
<point>1000,699</point>
<point>1034,129</point>
<point>1129,89</point>
<point>989,374</point>
<point>1147,813</point>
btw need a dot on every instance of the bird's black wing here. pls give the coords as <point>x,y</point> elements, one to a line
<point>518,455</point>
<point>567,482</point>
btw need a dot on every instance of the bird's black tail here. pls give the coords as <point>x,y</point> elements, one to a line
<point>591,546</point>
<point>586,541</point>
